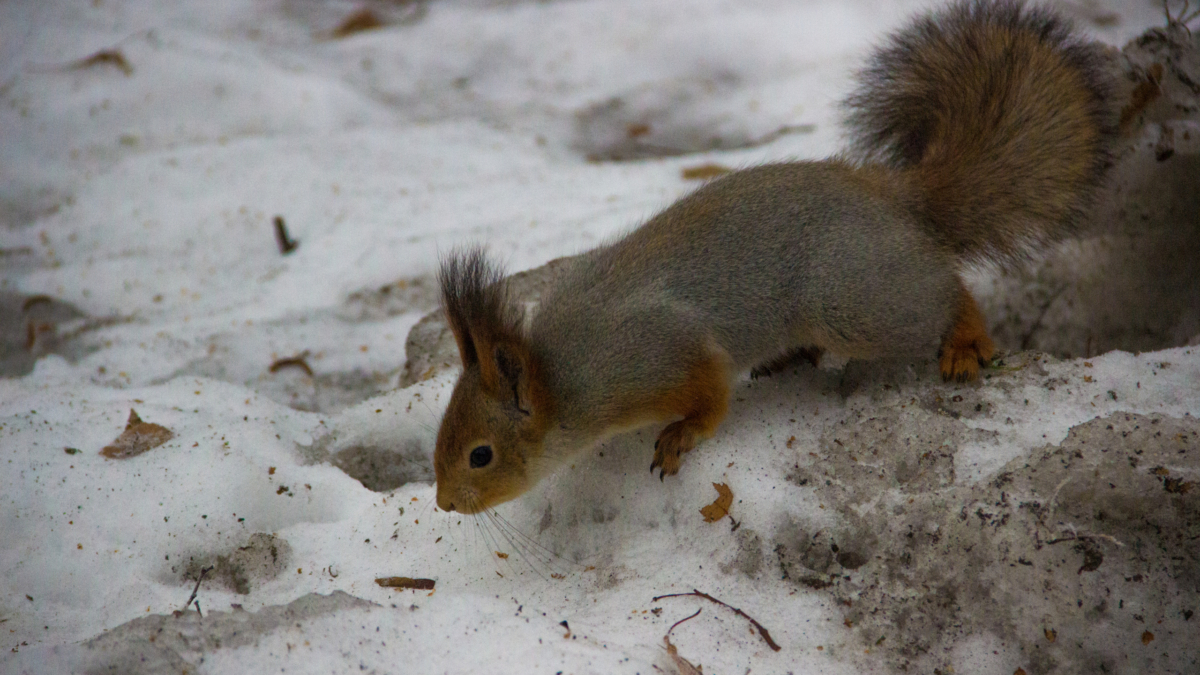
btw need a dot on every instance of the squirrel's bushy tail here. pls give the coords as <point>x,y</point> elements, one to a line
<point>996,114</point>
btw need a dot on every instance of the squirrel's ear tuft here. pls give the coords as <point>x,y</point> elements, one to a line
<point>476,303</point>
<point>488,327</point>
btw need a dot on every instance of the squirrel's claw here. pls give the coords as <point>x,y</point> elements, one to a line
<point>658,463</point>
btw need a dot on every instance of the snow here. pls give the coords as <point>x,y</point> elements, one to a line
<point>146,202</point>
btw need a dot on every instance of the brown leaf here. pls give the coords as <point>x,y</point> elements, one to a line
<point>705,171</point>
<point>636,130</point>
<point>105,57</point>
<point>1178,485</point>
<point>719,508</point>
<point>502,556</point>
<point>362,20</point>
<point>1051,634</point>
<point>406,582</point>
<point>137,438</point>
<point>1147,637</point>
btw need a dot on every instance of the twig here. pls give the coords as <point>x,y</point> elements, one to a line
<point>286,243</point>
<point>684,666</point>
<point>1053,504</point>
<point>203,571</point>
<point>1072,534</point>
<point>1184,18</point>
<point>761,630</point>
<point>104,57</point>
<point>686,618</point>
<point>1079,536</point>
<point>407,582</point>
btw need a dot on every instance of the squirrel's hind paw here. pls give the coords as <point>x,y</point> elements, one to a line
<point>967,346</point>
<point>961,363</point>
<point>674,440</point>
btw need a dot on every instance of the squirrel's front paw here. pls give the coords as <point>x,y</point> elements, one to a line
<point>961,362</point>
<point>675,440</point>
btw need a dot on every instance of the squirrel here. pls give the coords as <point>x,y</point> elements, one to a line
<point>980,133</point>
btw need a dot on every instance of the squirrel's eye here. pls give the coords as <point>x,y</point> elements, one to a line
<point>481,456</point>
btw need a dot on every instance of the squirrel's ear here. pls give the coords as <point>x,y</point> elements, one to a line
<point>474,300</point>
<point>508,371</point>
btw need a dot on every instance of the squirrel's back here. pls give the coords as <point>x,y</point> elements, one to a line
<point>804,252</point>
<point>996,114</point>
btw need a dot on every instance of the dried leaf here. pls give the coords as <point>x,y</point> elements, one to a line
<point>406,582</point>
<point>684,666</point>
<point>1051,634</point>
<point>1178,485</point>
<point>636,130</point>
<point>705,171</point>
<point>1147,637</point>
<point>719,508</point>
<point>362,20</point>
<point>105,57</point>
<point>137,438</point>
<point>502,556</point>
<point>297,361</point>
